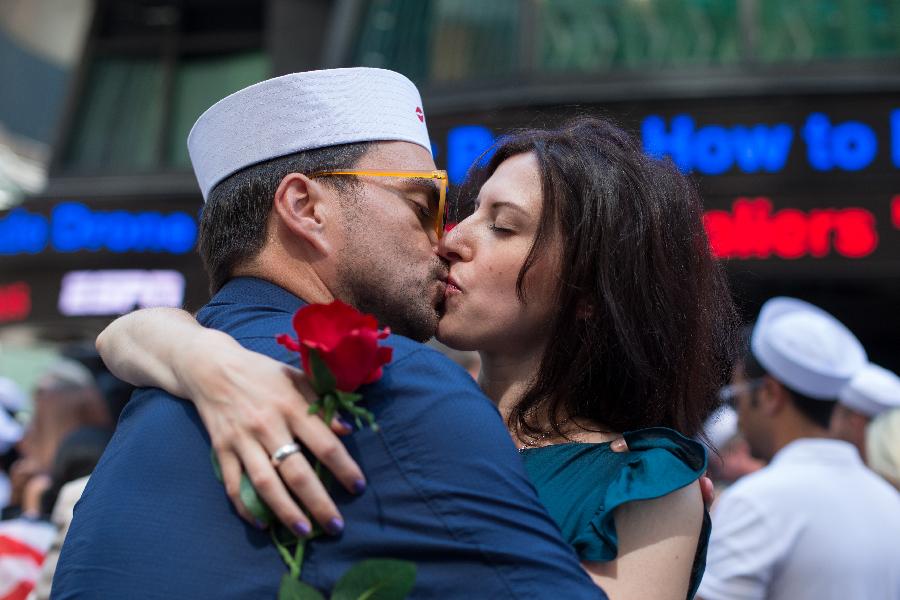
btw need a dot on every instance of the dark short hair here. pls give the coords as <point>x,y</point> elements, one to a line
<point>78,454</point>
<point>645,327</point>
<point>815,411</point>
<point>234,218</point>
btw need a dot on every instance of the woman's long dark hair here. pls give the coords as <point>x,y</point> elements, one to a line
<point>646,330</point>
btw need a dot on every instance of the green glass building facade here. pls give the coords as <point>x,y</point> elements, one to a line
<point>150,67</point>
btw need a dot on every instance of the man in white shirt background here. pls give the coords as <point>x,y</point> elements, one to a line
<point>815,523</point>
<point>872,392</point>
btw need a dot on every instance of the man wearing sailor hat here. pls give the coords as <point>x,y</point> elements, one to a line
<point>815,523</point>
<point>873,391</point>
<point>317,186</point>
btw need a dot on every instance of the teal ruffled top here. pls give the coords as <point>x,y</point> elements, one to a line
<point>582,484</point>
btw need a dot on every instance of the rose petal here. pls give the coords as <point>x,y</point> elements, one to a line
<point>323,326</point>
<point>304,359</point>
<point>346,339</point>
<point>382,357</point>
<point>288,342</point>
<point>353,361</point>
<point>316,327</point>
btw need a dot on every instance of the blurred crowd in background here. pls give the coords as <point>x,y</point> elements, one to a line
<point>50,439</point>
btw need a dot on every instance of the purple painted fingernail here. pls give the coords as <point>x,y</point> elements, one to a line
<point>344,423</point>
<point>260,524</point>
<point>301,528</point>
<point>359,486</point>
<point>334,526</point>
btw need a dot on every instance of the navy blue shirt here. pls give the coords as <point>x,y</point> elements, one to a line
<point>446,490</point>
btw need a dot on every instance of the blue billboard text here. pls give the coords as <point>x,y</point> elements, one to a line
<point>714,149</point>
<point>74,227</point>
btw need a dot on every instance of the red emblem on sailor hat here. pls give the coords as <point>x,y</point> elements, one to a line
<point>420,114</point>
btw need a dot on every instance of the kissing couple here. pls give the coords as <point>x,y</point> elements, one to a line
<point>579,269</point>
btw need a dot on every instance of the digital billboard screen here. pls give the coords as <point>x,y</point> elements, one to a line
<point>793,185</point>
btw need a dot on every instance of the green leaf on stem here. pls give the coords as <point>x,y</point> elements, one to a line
<point>376,579</point>
<point>259,509</point>
<point>294,589</point>
<point>217,468</point>
<point>322,379</point>
<point>348,398</point>
<point>283,535</point>
<point>346,402</point>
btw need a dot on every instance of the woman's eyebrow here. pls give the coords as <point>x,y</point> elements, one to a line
<point>512,205</point>
<point>477,202</point>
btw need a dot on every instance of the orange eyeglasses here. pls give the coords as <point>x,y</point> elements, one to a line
<point>439,177</point>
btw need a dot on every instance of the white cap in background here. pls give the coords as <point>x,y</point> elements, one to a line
<point>873,391</point>
<point>805,348</point>
<point>12,400</point>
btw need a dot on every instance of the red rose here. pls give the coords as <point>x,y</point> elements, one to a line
<point>345,339</point>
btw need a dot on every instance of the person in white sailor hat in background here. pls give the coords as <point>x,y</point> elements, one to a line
<point>815,522</point>
<point>873,391</point>
<point>12,401</point>
<point>883,446</point>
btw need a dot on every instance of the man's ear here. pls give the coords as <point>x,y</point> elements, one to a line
<point>303,207</point>
<point>773,397</point>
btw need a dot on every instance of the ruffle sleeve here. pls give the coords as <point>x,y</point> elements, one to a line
<point>659,461</point>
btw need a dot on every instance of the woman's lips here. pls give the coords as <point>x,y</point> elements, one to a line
<point>452,287</point>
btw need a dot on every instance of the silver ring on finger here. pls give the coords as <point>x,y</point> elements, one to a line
<point>282,453</point>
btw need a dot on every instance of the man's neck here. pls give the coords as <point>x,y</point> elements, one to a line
<point>795,430</point>
<point>298,278</point>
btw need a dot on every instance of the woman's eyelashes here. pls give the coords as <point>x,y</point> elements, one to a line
<point>497,229</point>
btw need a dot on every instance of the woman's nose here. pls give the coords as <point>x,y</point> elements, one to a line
<point>453,246</point>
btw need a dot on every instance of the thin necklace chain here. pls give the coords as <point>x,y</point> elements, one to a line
<point>533,441</point>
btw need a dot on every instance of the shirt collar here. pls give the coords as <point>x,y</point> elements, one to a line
<point>259,292</point>
<point>818,450</point>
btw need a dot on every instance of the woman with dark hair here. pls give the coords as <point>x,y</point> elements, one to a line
<point>583,276</point>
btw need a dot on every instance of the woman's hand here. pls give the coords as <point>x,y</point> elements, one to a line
<point>251,405</point>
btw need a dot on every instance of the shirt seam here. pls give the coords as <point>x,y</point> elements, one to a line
<point>426,497</point>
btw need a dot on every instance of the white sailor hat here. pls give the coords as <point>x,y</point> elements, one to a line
<point>873,391</point>
<point>805,348</point>
<point>12,400</point>
<point>304,111</point>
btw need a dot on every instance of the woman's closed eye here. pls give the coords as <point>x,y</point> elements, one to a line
<point>498,229</point>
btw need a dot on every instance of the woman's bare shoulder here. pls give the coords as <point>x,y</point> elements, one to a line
<point>657,543</point>
<point>676,514</point>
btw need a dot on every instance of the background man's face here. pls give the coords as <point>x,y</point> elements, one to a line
<point>387,264</point>
<point>850,426</point>
<point>751,421</point>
